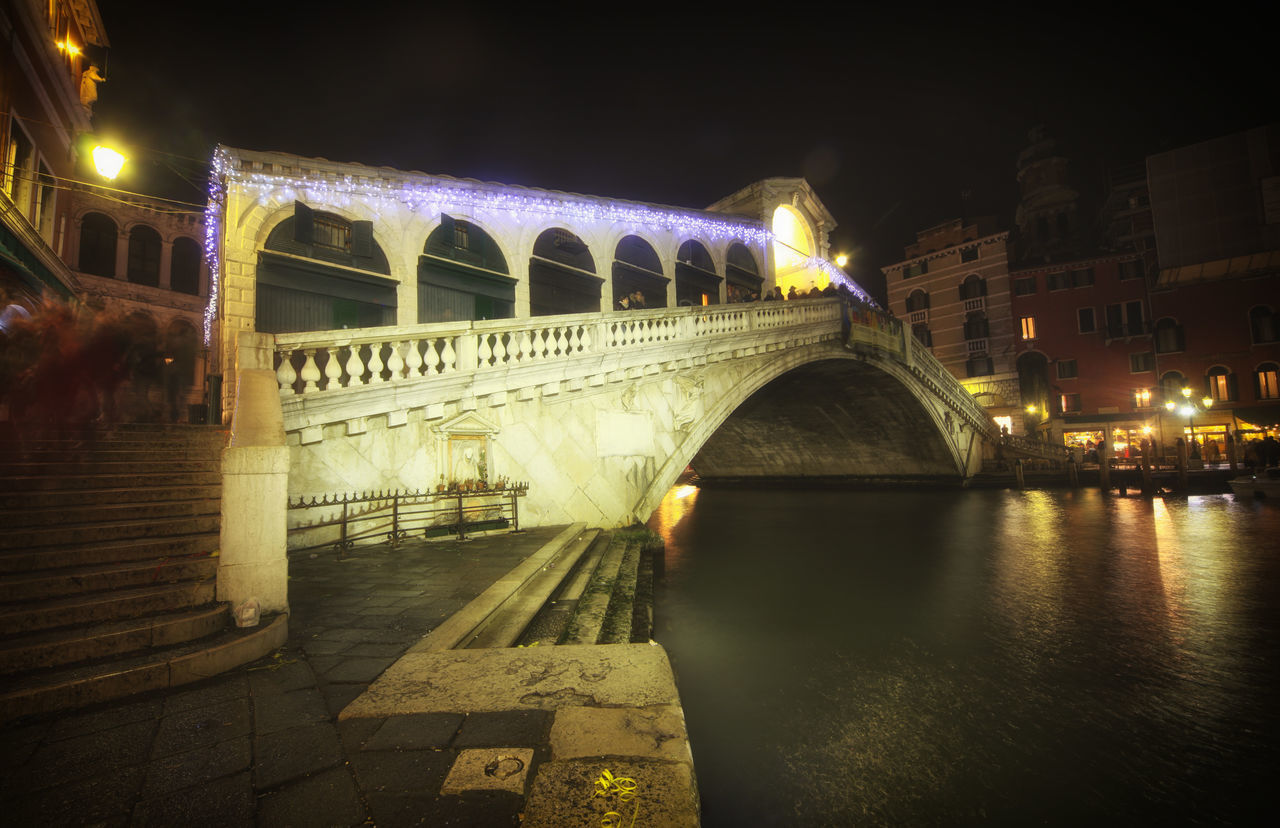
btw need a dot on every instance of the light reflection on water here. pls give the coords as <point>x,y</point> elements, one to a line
<point>973,656</point>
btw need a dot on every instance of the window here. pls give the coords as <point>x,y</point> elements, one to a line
<point>461,235</point>
<point>1067,369</point>
<point>922,334</point>
<point>917,301</point>
<point>1124,320</point>
<point>976,326</point>
<point>1171,385</point>
<point>331,233</point>
<point>969,254</point>
<point>144,256</point>
<point>1266,378</point>
<point>1221,384</point>
<point>1025,286</point>
<point>973,287</point>
<point>1145,361</point>
<point>1169,337</point>
<point>1028,327</point>
<point>1087,320</point>
<point>1262,325</point>
<point>915,269</point>
<point>1142,398</point>
<point>98,245</point>
<point>1082,277</point>
<point>1059,281</point>
<point>1070,403</point>
<point>979,366</point>
<point>184,266</point>
<point>1132,270</point>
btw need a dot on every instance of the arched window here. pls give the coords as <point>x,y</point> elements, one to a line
<point>562,275</point>
<point>1169,337</point>
<point>462,274</point>
<point>1220,384</point>
<point>973,287</point>
<point>98,237</point>
<point>1266,381</point>
<point>638,270</point>
<point>697,282</point>
<point>922,334</point>
<point>184,266</point>
<point>917,301</point>
<point>976,326</point>
<point>144,256</point>
<point>1263,325</point>
<point>1171,385</point>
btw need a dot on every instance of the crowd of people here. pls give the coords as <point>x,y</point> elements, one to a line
<point>66,368</point>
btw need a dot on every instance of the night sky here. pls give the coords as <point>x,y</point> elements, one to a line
<point>892,114</point>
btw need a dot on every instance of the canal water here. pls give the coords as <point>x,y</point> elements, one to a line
<point>975,656</point>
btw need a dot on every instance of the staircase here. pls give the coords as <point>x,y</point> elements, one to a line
<point>108,566</point>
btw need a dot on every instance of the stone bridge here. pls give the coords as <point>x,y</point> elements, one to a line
<point>600,413</point>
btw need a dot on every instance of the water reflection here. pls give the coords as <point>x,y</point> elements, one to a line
<point>976,656</point>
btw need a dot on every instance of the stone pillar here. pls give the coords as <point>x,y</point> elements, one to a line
<point>255,484</point>
<point>166,264</point>
<point>122,257</point>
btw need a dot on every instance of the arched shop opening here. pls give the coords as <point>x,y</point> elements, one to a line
<point>636,267</point>
<point>697,282</point>
<point>562,275</point>
<point>321,272</point>
<point>793,248</point>
<point>463,275</point>
<point>742,275</point>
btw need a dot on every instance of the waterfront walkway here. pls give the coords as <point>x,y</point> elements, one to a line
<point>264,744</point>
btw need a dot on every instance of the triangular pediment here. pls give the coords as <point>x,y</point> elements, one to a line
<point>468,422</point>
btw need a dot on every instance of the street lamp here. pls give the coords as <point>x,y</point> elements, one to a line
<point>1189,409</point>
<point>107,162</point>
<point>842,260</point>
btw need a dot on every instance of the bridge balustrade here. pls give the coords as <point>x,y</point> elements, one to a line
<point>318,361</point>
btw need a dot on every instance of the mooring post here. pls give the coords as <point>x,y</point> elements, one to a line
<point>1073,473</point>
<point>1017,471</point>
<point>1104,466</point>
<point>1231,451</point>
<point>1182,465</point>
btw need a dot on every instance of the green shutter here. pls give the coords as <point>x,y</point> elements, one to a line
<point>303,223</point>
<point>362,239</point>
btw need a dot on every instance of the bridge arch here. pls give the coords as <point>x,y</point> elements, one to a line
<point>903,430</point>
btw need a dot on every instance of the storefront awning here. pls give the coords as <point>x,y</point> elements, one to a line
<point>1260,415</point>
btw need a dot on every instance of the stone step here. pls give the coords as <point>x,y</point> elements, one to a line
<point>19,483</point>
<point>138,453</point>
<point>83,580</point>
<point>95,466</point>
<point>616,627</point>
<point>89,554</point>
<point>105,531</point>
<point>113,639</point>
<point>553,619</point>
<point>80,498</point>
<point>55,514</point>
<point>94,608</point>
<point>593,606</point>
<point>504,627</point>
<point>48,690</point>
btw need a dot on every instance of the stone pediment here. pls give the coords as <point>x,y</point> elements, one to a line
<point>466,423</point>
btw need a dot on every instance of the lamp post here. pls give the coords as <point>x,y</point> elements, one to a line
<point>1189,410</point>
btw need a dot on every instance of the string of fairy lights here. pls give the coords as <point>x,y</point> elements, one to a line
<point>438,197</point>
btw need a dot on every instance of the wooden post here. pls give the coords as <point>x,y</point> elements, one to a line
<point>1073,473</point>
<point>1231,451</point>
<point>1145,464</point>
<point>1017,472</point>
<point>1104,466</point>
<point>1182,464</point>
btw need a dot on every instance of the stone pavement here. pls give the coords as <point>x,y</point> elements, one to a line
<point>263,743</point>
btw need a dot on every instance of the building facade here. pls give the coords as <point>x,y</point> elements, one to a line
<point>952,288</point>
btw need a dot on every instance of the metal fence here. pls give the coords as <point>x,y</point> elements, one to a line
<point>395,516</point>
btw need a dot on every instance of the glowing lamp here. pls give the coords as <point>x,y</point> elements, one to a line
<point>1207,401</point>
<point>1186,392</point>
<point>68,47</point>
<point>1146,429</point>
<point>1187,410</point>
<point>108,162</point>
<point>1170,405</point>
<point>842,260</point>
<point>1031,409</point>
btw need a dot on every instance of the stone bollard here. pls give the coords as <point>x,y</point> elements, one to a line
<point>1182,465</point>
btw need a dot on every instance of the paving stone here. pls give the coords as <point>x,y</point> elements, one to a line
<point>324,647</point>
<point>328,798</point>
<point>222,689</point>
<point>489,769</point>
<point>507,727</point>
<point>295,752</point>
<point>222,802</point>
<point>355,732</point>
<point>656,732</point>
<point>290,672</point>
<point>358,669</point>
<point>563,793</point>
<point>202,727</point>
<point>78,724</point>
<point>181,770</point>
<point>18,742</point>
<point>407,770</point>
<point>415,731</point>
<point>368,650</point>
<point>482,810</point>
<point>82,757</point>
<point>103,799</point>
<point>273,712</point>
<point>338,696</point>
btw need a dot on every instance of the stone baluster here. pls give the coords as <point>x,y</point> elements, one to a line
<point>526,346</point>
<point>310,372</point>
<point>562,342</point>
<point>332,369</point>
<point>375,363</point>
<point>448,356</point>
<point>413,359</point>
<point>484,355</point>
<point>499,349</point>
<point>431,356</point>
<point>285,374</point>
<point>355,366</point>
<point>395,362</point>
